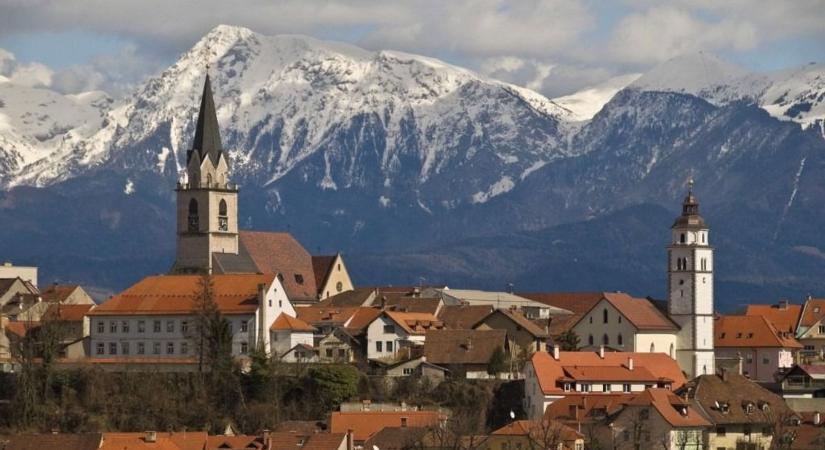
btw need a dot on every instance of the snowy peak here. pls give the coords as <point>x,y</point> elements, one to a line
<point>691,73</point>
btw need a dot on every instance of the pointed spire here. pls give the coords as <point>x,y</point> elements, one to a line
<point>207,135</point>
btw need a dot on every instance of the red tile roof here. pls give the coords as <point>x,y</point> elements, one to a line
<point>675,410</point>
<point>460,317</point>
<point>21,328</point>
<point>286,322</point>
<point>784,316</point>
<point>177,294</point>
<point>68,313</point>
<point>58,293</point>
<point>639,311</point>
<point>538,430</point>
<point>241,442</point>
<point>361,318</point>
<point>415,323</point>
<point>164,441</point>
<point>518,319</point>
<point>318,315</point>
<point>584,406</point>
<point>280,253</point>
<point>447,347</point>
<point>812,312</point>
<point>749,331</point>
<point>364,424</point>
<point>321,266</point>
<point>658,366</point>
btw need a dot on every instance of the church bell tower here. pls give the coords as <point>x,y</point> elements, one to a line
<point>207,202</point>
<point>690,289</point>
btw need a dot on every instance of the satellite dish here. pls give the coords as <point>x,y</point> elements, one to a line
<point>512,416</point>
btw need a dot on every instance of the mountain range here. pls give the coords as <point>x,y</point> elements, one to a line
<point>424,172</point>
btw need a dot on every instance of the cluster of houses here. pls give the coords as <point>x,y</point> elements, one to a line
<point>598,368</point>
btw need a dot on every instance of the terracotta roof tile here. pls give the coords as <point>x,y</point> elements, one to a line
<point>446,347</point>
<point>409,304</point>
<point>68,313</point>
<point>21,328</point>
<point>614,373</point>
<point>241,442</point>
<point>549,371</point>
<point>321,266</point>
<point>365,424</point>
<point>463,316</point>
<point>749,331</point>
<point>812,312</point>
<point>735,391</point>
<point>519,319</point>
<point>578,408</point>
<point>640,312</point>
<point>164,441</point>
<point>286,322</point>
<point>58,293</point>
<point>354,298</point>
<point>784,316</point>
<point>538,429</point>
<point>176,294</point>
<point>318,315</point>
<point>361,318</point>
<point>280,253</point>
<point>415,323</point>
<point>675,410</point>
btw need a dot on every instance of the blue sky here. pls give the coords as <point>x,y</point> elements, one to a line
<point>554,46</point>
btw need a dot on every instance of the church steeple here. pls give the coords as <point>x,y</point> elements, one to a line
<point>207,134</point>
<point>690,217</point>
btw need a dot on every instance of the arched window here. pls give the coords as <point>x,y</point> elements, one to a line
<point>605,339</point>
<point>652,347</point>
<point>223,220</point>
<point>590,340</point>
<point>620,340</point>
<point>682,238</point>
<point>604,315</point>
<point>208,180</point>
<point>193,215</point>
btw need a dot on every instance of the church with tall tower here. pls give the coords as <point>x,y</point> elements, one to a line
<point>208,238</point>
<point>690,289</point>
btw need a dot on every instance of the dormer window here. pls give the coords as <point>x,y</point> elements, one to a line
<point>299,278</point>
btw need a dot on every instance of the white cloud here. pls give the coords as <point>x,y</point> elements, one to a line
<point>24,74</point>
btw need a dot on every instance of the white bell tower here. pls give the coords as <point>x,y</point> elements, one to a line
<point>690,289</point>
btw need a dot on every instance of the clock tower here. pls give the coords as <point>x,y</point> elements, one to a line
<point>207,202</point>
<point>690,289</point>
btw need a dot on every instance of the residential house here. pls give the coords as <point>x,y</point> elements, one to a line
<point>66,294</point>
<point>463,317</point>
<point>765,352</point>
<point>588,414</point>
<point>288,331</point>
<point>331,275</point>
<point>742,414</point>
<point>391,331</point>
<point>501,300</point>
<point>156,317</point>
<point>528,434</point>
<point>337,347</point>
<point>73,328</point>
<point>417,367</point>
<point>62,441</point>
<point>578,303</point>
<point>811,330</point>
<point>549,377</point>
<point>325,319</point>
<point>784,316</point>
<point>365,424</point>
<point>524,337</point>
<point>657,419</point>
<point>803,381</point>
<point>16,297</point>
<point>468,353</point>
<point>352,298</point>
<point>301,353</point>
<point>397,438</point>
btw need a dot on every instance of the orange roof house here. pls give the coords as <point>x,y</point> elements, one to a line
<point>750,332</point>
<point>783,316</point>
<point>365,424</point>
<point>285,322</point>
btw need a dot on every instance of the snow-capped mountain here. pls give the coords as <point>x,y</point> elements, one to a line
<point>793,94</point>
<point>284,100</point>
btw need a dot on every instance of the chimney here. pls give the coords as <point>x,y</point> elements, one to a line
<point>349,440</point>
<point>783,304</point>
<point>556,353</point>
<point>468,344</point>
<point>724,374</point>
<point>817,418</point>
<point>151,436</point>
<point>383,301</point>
<point>365,405</point>
<point>601,351</point>
<point>629,363</point>
<point>416,292</point>
<point>403,406</point>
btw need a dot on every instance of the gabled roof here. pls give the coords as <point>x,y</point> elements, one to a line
<point>321,267</point>
<point>207,140</point>
<point>7,283</point>
<point>319,315</point>
<point>518,319</point>
<point>354,298</point>
<point>58,293</point>
<point>177,294</point>
<point>62,441</point>
<point>675,410</point>
<point>656,366</point>
<point>538,430</point>
<point>285,322</point>
<point>238,442</point>
<point>365,424</point>
<point>732,393</point>
<point>585,407</point>
<point>361,318</point>
<point>640,312</point>
<point>280,253</point>
<point>812,312</point>
<point>190,440</point>
<point>325,441</point>
<point>446,347</point>
<point>748,332</point>
<point>395,438</point>
<point>68,313</point>
<point>307,348</point>
<point>463,316</point>
<point>784,316</point>
<point>409,304</point>
<point>414,323</point>
<point>21,328</point>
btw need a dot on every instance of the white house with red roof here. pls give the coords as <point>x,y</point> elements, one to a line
<point>390,331</point>
<point>289,331</point>
<point>765,352</point>
<point>549,377</point>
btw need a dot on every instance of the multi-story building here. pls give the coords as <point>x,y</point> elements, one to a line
<point>764,351</point>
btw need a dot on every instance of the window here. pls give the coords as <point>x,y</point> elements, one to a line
<point>620,340</point>
<point>113,327</point>
<point>124,347</point>
<point>342,353</point>
<point>403,421</point>
<point>749,359</point>
<point>170,348</point>
<point>170,326</point>
<point>822,329</point>
<point>100,348</point>
<point>245,348</point>
<point>379,346</point>
<point>567,387</point>
<point>156,326</point>
<point>590,339</point>
<point>389,329</point>
<point>652,347</point>
<point>644,414</point>
<point>156,348</point>
<point>299,278</point>
<point>408,371</point>
<point>141,326</point>
<point>766,360</point>
<point>101,327</point>
<point>223,220</point>
<point>141,348</point>
<point>605,339</point>
<point>626,388</point>
<point>620,318</point>
<point>184,348</point>
<point>747,430</point>
<point>591,319</point>
<point>339,286</point>
<point>193,225</point>
<point>184,326</point>
<point>682,238</point>
<point>113,348</point>
<point>605,388</point>
<point>604,316</point>
<point>585,387</point>
<point>124,326</point>
<point>720,431</point>
<point>389,346</point>
<point>244,326</point>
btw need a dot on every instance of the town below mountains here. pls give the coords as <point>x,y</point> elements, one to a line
<point>423,172</point>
